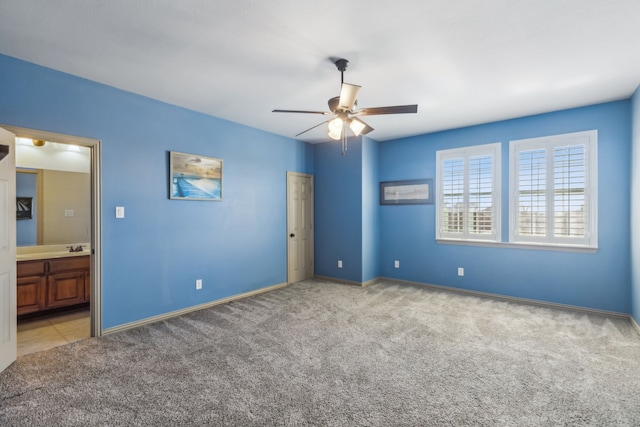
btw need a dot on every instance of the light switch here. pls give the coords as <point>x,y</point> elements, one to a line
<point>119,211</point>
<point>69,212</point>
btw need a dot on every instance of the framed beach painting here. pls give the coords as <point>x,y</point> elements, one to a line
<point>193,177</point>
<point>413,192</point>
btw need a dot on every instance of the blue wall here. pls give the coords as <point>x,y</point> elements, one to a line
<point>370,210</point>
<point>26,229</point>
<point>347,214</point>
<point>593,280</point>
<point>338,210</point>
<point>152,257</point>
<point>635,207</point>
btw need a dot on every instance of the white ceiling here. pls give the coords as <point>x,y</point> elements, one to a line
<point>463,62</point>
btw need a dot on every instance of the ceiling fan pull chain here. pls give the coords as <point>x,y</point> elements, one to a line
<point>344,141</point>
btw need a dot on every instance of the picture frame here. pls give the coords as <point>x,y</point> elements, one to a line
<point>24,208</point>
<point>194,177</point>
<point>408,192</point>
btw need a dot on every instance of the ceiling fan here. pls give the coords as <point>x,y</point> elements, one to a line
<point>343,107</point>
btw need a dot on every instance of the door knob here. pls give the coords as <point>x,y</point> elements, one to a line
<point>292,235</point>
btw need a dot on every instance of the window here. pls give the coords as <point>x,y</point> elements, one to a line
<point>553,184</point>
<point>468,193</point>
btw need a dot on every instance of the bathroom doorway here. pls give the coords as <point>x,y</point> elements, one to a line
<point>58,239</point>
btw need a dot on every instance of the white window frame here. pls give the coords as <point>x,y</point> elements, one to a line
<point>590,140</point>
<point>465,153</point>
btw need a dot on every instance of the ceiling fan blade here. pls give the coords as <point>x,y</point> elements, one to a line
<point>301,111</point>
<point>320,124</point>
<point>359,127</point>
<point>398,109</point>
<point>348,96</point>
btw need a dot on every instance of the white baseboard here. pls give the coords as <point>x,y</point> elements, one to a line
<point>180,312</point>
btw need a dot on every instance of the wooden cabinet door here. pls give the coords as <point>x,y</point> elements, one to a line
<point>65,289</point>
<point>31,295</point>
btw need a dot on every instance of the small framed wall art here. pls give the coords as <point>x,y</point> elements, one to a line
<point>24,207</point>
<point>411,192</point>
<point>193,177</point>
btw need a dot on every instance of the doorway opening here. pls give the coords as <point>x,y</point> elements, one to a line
<point>58,239</point>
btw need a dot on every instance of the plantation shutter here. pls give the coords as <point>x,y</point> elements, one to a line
<point>468,193</point>
<point>480,205</point>
<point>453,196</point>
<point>569,193</point>
<point>554,190</point>
<point>532,193</point>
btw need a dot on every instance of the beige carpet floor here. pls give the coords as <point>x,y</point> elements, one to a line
<point>326,354</point>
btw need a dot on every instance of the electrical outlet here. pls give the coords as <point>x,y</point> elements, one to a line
<point>396,264</point>
<point>460,271</point>
<point>198,284</point>
<point>339,263</point>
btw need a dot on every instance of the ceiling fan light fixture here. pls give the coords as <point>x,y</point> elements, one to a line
<point>335,128</point>
<point>334,136</point>
<point>357,126</point>
<point>336,125</point>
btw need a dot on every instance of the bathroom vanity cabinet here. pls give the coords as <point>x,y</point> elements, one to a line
<point>45,284</point>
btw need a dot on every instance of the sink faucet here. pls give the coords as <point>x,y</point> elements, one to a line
<point>78,248</point>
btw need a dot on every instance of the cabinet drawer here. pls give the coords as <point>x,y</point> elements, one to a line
<point>70,263</point>
<point>30,268</point>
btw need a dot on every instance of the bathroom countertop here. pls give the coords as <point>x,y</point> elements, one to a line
<point>49,255</point>
<point>29,253</point>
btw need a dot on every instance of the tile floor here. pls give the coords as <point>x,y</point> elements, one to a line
<point>44,334</point>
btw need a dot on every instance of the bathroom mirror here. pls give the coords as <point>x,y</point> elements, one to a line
<point>57,179</point>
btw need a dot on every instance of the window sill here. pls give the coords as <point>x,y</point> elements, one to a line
<point>530,246</point>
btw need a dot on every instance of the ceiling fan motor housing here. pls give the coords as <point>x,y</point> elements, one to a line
<point>333,105</point>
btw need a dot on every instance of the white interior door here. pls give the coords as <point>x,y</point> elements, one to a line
<point>8,318</point>
<point>299,227</point>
